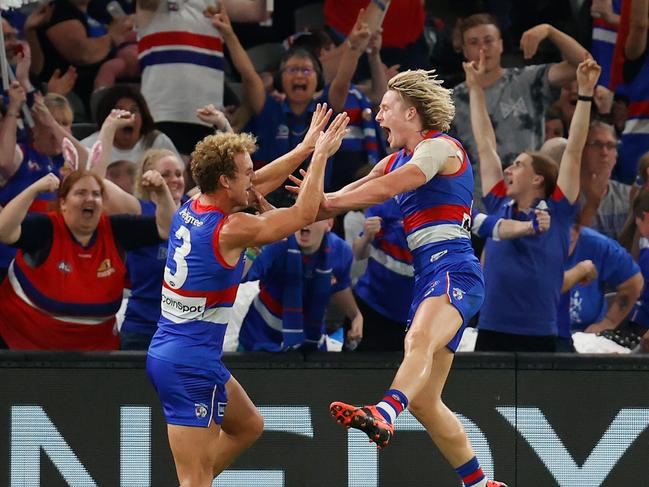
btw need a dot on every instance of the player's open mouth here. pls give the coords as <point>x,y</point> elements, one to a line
<point>88,212</point>
<point>305,232</point>
<point>299,86</point>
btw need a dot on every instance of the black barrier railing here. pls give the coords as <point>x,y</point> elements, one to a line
<point>92,419</point>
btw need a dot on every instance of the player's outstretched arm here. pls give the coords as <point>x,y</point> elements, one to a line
<point>271,176</point>
<point>243,230</point>
<point>374,191</point>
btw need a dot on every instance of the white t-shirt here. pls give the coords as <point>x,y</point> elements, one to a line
<point>135,154</point>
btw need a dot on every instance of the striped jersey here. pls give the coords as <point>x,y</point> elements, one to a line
<point>387,284</point>
<point>437,215</point>
<point>69,301</point>
<point>603,44</point>
<point>198,290</point>
<point>181,59</point>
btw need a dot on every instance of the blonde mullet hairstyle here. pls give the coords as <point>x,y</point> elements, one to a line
<point>421,89</point>
<point>214,157</point>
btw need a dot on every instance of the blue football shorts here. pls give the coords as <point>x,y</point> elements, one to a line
<point>463,284</point>
<point>190,396</point>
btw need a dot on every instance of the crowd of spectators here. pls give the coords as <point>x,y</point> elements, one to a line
<point>105,102</point>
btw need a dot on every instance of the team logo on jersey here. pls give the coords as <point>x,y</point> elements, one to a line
<point>172,6</point>
<point>458,293</point>
<point>105,269</point>
<point>33,166</point>
<point>200,410</point>
<point>64,267</point>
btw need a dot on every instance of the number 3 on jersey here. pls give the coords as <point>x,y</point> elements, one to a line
<point>178,278</point>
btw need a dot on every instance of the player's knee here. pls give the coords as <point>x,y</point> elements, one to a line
<point>255,426</point>
<point>418,340</point>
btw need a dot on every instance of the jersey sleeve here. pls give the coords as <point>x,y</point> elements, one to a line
<point>617,264</point>
<point>496,197</point>
<point>564,210</point>
<point>36,233</point>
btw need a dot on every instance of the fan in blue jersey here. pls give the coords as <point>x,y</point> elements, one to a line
<point>583,306</point>
<point>384,291</point>
<point>298,277</point>
<point>432,180</point>
<point>512,319</point>
<point>210,418</point>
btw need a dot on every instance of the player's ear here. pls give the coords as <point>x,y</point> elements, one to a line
<point>224,182</point>
<point>410,115</point>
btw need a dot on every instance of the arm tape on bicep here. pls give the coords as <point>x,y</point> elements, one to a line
<point>431,154</point>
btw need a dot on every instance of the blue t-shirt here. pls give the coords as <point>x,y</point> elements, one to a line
<point>523,277</point>
<point>582,306</point>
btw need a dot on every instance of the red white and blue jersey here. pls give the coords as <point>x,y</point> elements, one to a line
<point>437,215</point>
<point>198,290</point>
<point>70,300</point>
<point>387,284</point>
<point>320,276</point>
<point>603,45</point>
<point>634,141</point>
<point>523,276</point>
<point>181,58</point>
<point>33,167</point>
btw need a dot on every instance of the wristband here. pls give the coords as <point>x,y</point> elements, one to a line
<point>535,226</point>
<point>251,254</point>
<point>379,4</point>
<point>584,98</point>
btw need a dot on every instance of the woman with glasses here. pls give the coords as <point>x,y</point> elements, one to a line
<point>132,141</point>
<point>281,125</point>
